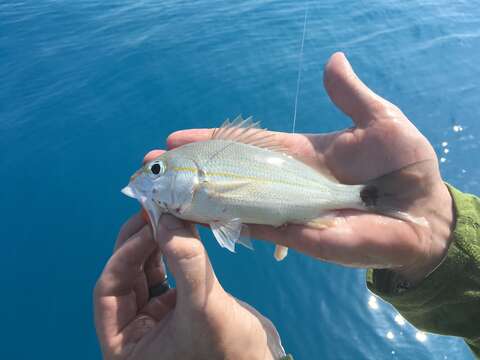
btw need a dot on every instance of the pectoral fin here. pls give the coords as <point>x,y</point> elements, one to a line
<point>224,188</point>
<point>245,237</point>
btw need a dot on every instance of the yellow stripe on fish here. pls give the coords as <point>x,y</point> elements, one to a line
<point>234,176</point>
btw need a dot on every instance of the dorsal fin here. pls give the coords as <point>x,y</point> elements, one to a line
<point>247,131</point>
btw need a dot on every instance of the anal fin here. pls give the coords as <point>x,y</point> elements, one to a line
<point>322,223</point>
<point>245,241</point>
<point>280,253</point>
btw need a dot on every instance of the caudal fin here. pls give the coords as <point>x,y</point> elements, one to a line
<point>397,193</point>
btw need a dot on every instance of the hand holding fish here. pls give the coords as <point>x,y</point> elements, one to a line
<point>197,320</point>
<point>382,141</point>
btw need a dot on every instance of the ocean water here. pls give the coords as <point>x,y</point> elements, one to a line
<point>87,87</point>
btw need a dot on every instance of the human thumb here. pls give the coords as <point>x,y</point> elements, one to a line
<point>349,93</point>
<point>187,260</point>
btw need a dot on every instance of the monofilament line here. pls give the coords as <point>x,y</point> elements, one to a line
<point>300,64</point>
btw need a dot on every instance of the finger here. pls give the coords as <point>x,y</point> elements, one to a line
<point>151,155</point>
<point>114,296</point>
<point>349,93</point>
<point>188,262</point>
<point>356,239</point>
<point>183,137</point>
<point>147,319</point>
<point>160,306</point>
<point>155,269</point>
<point>132,226</point>
<point>295,144</point>
<point>127,263</point>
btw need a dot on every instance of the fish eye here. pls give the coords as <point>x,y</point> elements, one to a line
<point>157,168</point>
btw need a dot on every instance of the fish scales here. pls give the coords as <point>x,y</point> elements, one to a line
<point>275,188</point>
<point>242,176</point>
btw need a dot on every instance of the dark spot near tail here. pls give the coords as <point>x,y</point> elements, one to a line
<point>369,195</point>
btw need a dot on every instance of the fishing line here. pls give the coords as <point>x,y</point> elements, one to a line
<point>300,64</point>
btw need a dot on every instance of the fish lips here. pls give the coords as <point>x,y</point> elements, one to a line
<point>153,211</point>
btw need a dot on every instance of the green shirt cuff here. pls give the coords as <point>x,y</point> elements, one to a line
<point>287,357</point>
<point>448,300</point>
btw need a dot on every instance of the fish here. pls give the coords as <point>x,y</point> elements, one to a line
<point>242,176</point>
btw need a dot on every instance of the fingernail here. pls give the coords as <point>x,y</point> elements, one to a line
<point>171,222</point>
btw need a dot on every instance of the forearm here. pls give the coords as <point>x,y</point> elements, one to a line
<point>448,300</point>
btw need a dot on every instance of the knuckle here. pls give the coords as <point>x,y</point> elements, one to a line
<point>184,249</point>
<point>379,106</point>
<point>383,109</point>
<point>99,287</point>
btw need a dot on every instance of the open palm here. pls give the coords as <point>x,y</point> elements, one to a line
<point>383,140</point>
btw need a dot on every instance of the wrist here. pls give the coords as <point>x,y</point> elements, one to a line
<point>246,334</point>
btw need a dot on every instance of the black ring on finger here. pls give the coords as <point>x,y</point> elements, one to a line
<point>158,289</point>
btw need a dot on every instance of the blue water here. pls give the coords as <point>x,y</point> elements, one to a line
<point>87,87</point>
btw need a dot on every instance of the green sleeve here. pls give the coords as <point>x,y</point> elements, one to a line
<point>448,301</point>
<point>287,357</point>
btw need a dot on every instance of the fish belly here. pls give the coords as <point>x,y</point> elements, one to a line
<point>252,204</point>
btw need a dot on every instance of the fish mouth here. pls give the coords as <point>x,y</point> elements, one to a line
<point>151,208</point>
<point>128,190</point>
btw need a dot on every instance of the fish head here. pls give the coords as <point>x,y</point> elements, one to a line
<point>151,185</point>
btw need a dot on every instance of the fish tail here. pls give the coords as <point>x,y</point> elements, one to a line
<point>395,193</point>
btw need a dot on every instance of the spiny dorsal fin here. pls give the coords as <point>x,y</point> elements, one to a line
<point>247,131</point>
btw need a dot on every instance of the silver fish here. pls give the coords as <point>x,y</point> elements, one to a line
<point>241,176</point>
